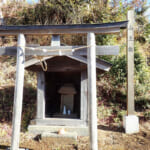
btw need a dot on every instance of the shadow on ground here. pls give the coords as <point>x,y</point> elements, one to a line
<point>111,128</point>
<point>6,105</point>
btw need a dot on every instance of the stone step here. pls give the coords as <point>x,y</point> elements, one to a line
<point>19,148</point>
<point>40,129</point>
<point>71,135</point>
<point>60,139</point>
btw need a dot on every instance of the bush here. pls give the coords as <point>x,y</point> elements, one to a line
<point>147,115</point>
<point>141,70</point>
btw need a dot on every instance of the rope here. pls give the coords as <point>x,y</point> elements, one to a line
<point>43,62</point>
<point>59,50</point>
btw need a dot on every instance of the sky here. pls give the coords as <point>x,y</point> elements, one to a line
<point>148,11</point>
<point>30,1</point>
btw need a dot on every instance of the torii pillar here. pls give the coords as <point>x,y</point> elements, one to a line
<point>130,121</point>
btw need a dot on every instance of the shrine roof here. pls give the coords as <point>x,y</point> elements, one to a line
<point>103,28</point>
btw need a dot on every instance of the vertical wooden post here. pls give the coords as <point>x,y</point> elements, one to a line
<point>18,95</point>
<point>92,101</point>
<point>55,40</point>
<point>130,63</point>
<point>83,102</point>
<point>40,95</point>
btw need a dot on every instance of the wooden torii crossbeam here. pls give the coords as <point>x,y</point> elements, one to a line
<point>104,28</point>
<point>91,51</point>
<point>55,50</point>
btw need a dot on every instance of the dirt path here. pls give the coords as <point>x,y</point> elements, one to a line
<point>109,138</point>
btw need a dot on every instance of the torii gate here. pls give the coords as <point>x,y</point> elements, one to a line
<point>130,121</point>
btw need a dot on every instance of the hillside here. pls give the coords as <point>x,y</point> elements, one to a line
<point>111,86</point>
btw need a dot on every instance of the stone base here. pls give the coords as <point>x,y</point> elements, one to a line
<point>40,129</point>
<point>70,135</point>
<point>131,124</point>
<point>62,139</point>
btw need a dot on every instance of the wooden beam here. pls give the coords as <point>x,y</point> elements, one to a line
<point>99,65</point>
<point>64,50</point>
<point>92,101</point>
<point>55,40</point>
<point>59,31</point>
<point>8,51</point>
<point>83,102</point>
<point>18,95</point>
<point>63,29</point>
<point>130,63</point>
<point>40,95</point>
<point>60,122</point>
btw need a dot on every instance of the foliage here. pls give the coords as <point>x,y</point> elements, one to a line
<point>147,32</point>
<point>142,103</point>
<point>142,73</point>
<point>118,71</point>
<point>141,24</point>
<point>147,115</point>
<point>113,84</point>
<point>50,12</point>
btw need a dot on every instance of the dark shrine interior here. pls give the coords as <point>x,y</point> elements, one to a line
<point>53,82</point>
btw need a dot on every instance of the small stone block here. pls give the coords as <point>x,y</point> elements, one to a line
<point>131,124</point>
<point>70,135</point>
<point>39,129</point>
<point>62,139</point>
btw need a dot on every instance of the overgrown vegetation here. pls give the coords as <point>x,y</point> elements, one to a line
<point>111,86</point>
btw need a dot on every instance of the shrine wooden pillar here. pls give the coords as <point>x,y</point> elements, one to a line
<point>92,101</point>
<point>130,121</point>
<point>130,63</point>
<point>18,95</point>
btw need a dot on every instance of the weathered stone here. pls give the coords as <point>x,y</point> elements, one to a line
<point>66,138</point>
<point>40,129</point>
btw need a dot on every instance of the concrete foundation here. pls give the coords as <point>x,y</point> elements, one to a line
<point>42,129</point>
<point>131,124</point>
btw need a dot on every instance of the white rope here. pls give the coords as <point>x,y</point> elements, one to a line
<point>57,50</point>
<point>43,62</point>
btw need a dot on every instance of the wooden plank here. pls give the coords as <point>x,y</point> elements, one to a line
<point>100,64</point>
<point>35,61</point>
<point>40,95</point>
<point>130,63</point>
<point>63,29</point>
<point>18,95</point>
<point>58,31</point>
<point>84,109</point>
<point>55,40</point>
<point>92,101</point>
<point>8,51</point>
<point>50,50</point>
<point>78,63</point>
<point>100,50</point>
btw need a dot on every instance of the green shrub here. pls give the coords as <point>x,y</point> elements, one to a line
<point>141,71</point>
<point>147,115</point>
